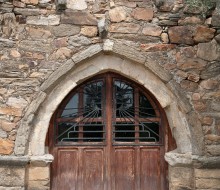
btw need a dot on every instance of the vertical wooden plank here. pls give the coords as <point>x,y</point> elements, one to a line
<point>67,169</point>
<point>93,169</point>
<point>124,169</point>
<point>150,168</point>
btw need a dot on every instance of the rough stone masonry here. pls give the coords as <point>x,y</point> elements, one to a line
<point>37,37</point>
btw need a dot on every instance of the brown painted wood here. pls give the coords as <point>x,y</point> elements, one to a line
<point>109,165</point>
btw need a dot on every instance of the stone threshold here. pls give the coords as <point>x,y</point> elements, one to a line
<point>25,160</point>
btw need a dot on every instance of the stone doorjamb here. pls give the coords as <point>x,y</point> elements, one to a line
<point>112,56</point>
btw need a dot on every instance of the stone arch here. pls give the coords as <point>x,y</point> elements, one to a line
<point>92,61</point>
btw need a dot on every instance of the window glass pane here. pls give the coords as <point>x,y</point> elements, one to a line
<point>93,132</point>
<point>145,107</point>
<point>71,108</point>
<point>67,132</point>
<point>124,99</point>
<point>92,94</point>
<point>149,132</point>
<point>124,132</point>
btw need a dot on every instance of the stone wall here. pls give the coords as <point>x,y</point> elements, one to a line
<point>37,37</point>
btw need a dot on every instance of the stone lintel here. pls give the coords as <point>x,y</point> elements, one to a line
<point>25,160</point>
<point>189,160</point>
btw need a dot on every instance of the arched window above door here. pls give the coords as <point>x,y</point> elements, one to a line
<point>108,104</point>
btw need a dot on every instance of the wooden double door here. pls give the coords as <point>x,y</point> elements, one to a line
<point>108,134</point>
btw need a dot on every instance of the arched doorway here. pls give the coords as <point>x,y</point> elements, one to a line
<point>109,134</point>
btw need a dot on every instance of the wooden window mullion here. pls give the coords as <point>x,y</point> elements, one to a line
<point>81,108</point>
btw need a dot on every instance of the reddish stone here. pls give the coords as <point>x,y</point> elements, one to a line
<point>126,28</point>
<point>188,52</point>
<point>11,111</point>
<point>216,18</point>
<point>157,47</point>
<point>191,63</point>
<point>6,146</point>
<point>169,66</point>
<point>7,126</point>
<point>126,3</point>
<point>143,14</point>
<point>166,7</point>
<point>199,106</point>
<point>78,18</point>
<point>89,31</point>
<point>61,42</point>
<point>190,20</point>
<point>212,95</point>
<point>38,33</point>
<point>18,4</point>
<point>117,14</point>
<point>196,96</point>
<point>212,137</point>
<point>152,30</point>
<point>204,34</point>
<point>207,120</point>
<point>193,77</point>
<point>181,35</point>
<point>188,85</point>
<point>38,56</point>
<point>34,2</point>
<point>165,38</point>
<point>208,51</point>
<point>209,84</point>
<point>217,38</point>
<point>181,74</point>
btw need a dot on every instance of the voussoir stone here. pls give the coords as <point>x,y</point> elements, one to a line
<point>65,30</point>
<point>152,30</point>
<point>117,14</point>
<point>181,35</point>
<point>78,18</point>
<point>127,28</point>
<point>143,14</point>
<point>204,34</point>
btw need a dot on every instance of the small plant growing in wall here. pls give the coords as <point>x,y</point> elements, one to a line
<point>203,5</point>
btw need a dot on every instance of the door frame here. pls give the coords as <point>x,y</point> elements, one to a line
<point>169,142</point>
